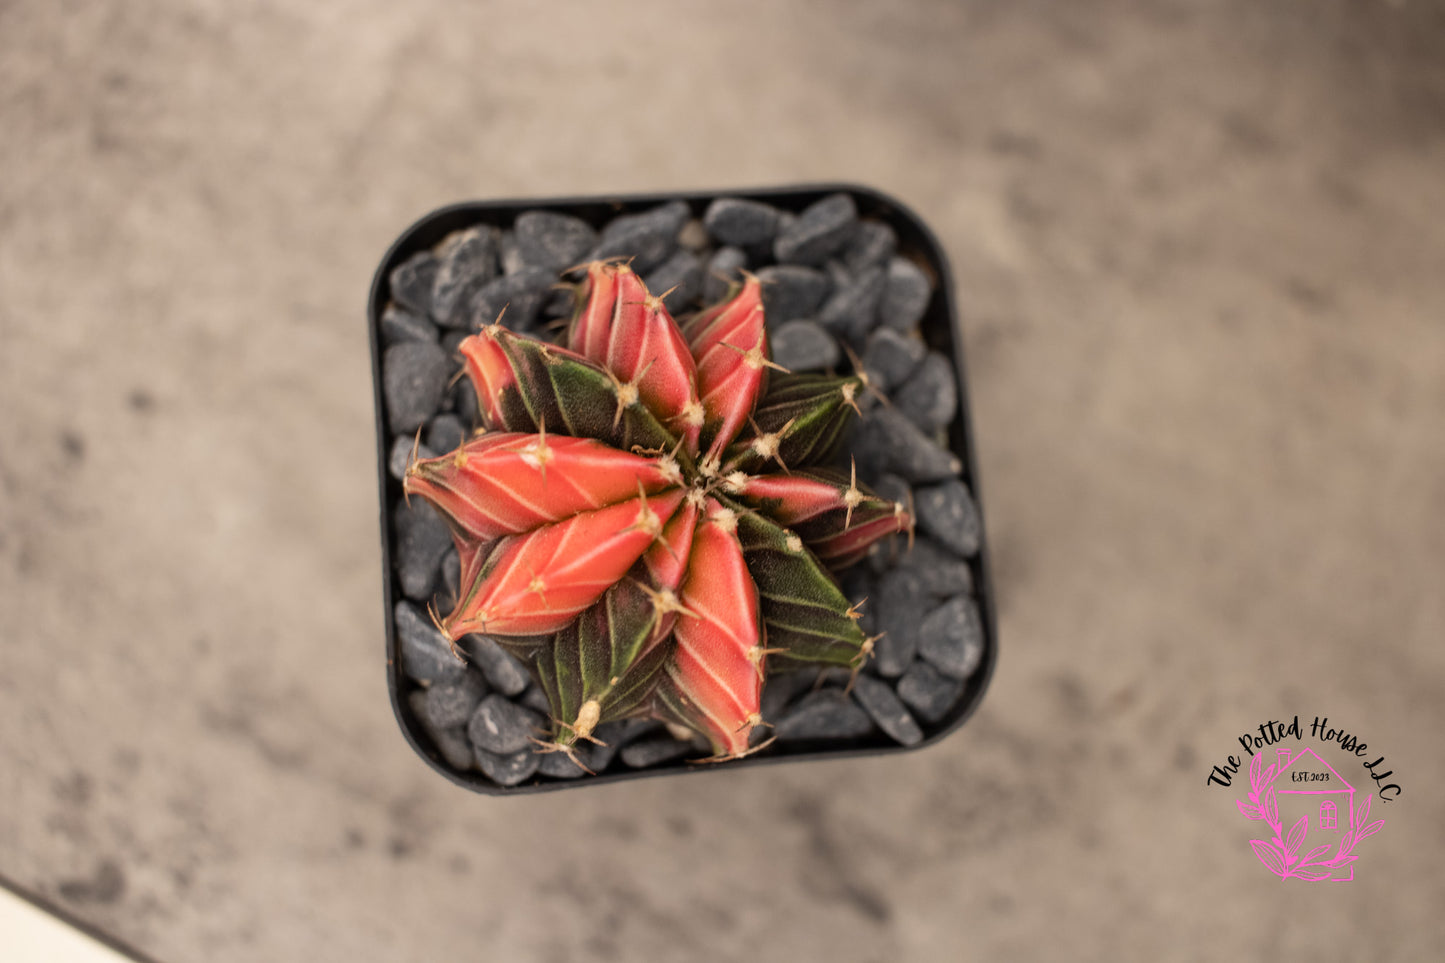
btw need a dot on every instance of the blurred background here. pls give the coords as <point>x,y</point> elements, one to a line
<point>1199,254</point>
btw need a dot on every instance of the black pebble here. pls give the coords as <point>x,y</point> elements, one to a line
<point>741,222</point>
<point>900,616</point>
<point>803,345</point>
<point>648,238</point>
<point>411,282</point>
<point>445,433</point>
<point>948,513</point>
<point>414,379</point>
<point>890,358</point>
<point>881,703</point>
<point>868,447</point>
<point>930,397</point>
<point>680,274</point>
<point>791,291</point>
<point>722,271</point>
<point>883,554</point>
<point>399,324</point>
<point>501,668</point>
<point>941,572</point>
<point>626,730</point>
<point>451,344</point>
<point>835,676</point>
<point>654,750</point>
<point>536,699</point>
<point>468,262</point>
<point>894,489</point>
<point>851,310</point>
<point>521,295</point>
<point>400,456</point>
<point>873,244</point>
<point>451,702</point>
<point>559,766</point>
<point>450,743</point>
<point>885,440</point>
<point>422,539</point>
<point>825,714</point>
<point>929,692</point>
<point>502,727</point>
<point>906,297</point>
<point>822,229</point>
<point>782,689</point>
<point>550,241</point>
<point>952,637</point>
<point>610,738</point>
<point>507,770</point>
<point>425,654</point>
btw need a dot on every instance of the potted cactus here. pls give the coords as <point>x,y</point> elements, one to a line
<point>638,476</point>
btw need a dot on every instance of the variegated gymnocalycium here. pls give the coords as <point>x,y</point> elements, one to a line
<point>647,517</point>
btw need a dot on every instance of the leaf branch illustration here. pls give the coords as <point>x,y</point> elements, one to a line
<point>1274,853</point>
<point>1278,854</point>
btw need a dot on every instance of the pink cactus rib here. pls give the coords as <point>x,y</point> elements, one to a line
<point>536,583</point>
<point>715,681</point>
<point>506,483</point>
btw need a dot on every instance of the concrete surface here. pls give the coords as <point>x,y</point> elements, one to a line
<point>1200,250</point>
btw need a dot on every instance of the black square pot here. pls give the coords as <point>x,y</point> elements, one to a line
<point>940,330</point>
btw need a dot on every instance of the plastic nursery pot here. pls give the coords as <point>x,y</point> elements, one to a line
<point>940,331</point>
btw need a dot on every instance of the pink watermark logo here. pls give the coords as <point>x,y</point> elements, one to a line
<point>1301,789</point>
<point>1293,786</point>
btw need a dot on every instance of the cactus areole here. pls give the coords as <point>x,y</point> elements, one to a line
<point>649,517</point>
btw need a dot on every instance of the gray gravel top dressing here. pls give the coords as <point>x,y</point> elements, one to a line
<point>836,287</point>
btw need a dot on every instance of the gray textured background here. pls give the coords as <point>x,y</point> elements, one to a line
<point>1201,253</point>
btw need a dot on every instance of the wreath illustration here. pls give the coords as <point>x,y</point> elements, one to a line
<point>1279,854</point>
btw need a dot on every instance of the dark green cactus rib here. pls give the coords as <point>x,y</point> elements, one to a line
<point>805,612</point>
<point>809,413</point>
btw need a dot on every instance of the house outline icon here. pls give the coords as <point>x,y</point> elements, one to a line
<point>1335,805</point>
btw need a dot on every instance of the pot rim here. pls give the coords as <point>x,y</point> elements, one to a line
<point>915,237</point>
